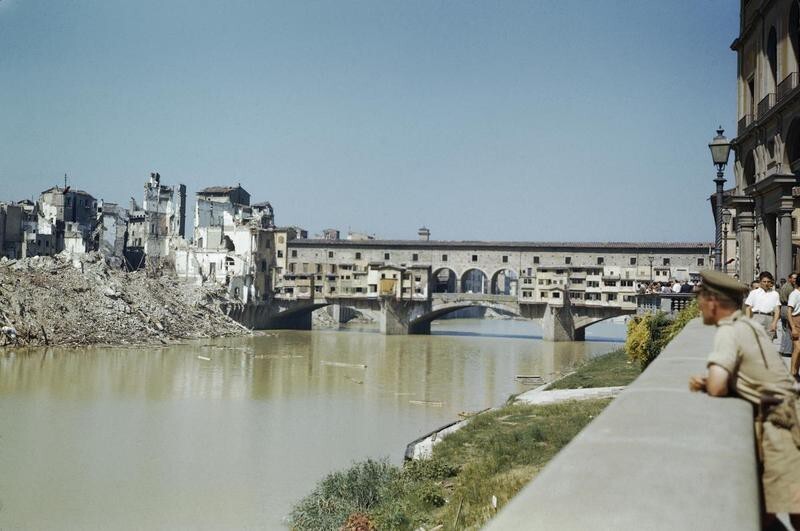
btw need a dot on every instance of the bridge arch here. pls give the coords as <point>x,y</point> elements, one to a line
<point>474,280</point>
<point>504,282</point>
<point>422,323</point>
<point>444,280</point>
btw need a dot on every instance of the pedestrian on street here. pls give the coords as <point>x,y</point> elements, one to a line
<point>763,304</point>
<point>745,364</point>
<point>794,321</point>
<point>786,343</point>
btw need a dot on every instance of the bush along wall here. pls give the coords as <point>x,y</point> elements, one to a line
<point>648,334</point>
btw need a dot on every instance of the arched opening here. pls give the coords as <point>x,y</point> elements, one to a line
<point>772,57</point>
<point>504,282</point>
<point>749,173</point>
<point>445,280</point>
<point>792,151</point>
<point>794,31</point>
<point>474,281</point>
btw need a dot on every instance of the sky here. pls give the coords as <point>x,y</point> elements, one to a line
<point>557,120</point>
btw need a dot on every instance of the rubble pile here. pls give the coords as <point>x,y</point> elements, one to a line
<point>64,300</point>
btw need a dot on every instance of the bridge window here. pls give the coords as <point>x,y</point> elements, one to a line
<point>294,253</point>
<point>544,295</point>
<point>330,254</point>
<point>414,257</point>
<point>386,256</point>
<point>474,257</point>
<point>666,261</point>
<point>505,259</point>
<point>280,254</point>
<point>700,261</point>
<point>633,261</point>
<point>535,261</point>
<point>611,297</point>
<point>291,267</point>
<point>556,295</point>
<point>600,260</point>
<point>444,258</point>
<point>567,259</point>
<point>358,256</point>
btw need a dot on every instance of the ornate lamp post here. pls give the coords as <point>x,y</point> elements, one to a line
<point>726,219</point>
<point>720,150</point>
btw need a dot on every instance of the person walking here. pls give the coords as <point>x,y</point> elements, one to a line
<point>744,363</point>
<point>764,305</point>
<point>786,342</point>
<point>794,321</point>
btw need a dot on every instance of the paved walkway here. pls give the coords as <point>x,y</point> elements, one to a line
<point>543,396</point>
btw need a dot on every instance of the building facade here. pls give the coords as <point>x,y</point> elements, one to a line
<point>767,143</point>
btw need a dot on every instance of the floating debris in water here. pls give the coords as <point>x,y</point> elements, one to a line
<point>204,358</point>
<point>340,364</point>
<point>426,403</point>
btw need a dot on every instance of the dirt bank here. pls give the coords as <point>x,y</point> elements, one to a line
<point>82,301</point>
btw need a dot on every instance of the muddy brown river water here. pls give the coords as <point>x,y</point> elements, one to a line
<point>228,434</point>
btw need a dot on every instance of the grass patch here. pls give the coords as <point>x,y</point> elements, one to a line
<point>605,371</point>
<point>495,455</point>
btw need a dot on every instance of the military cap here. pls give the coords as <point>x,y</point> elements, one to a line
<point>721,284</point>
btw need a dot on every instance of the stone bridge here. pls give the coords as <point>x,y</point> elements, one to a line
<point>566,321</point>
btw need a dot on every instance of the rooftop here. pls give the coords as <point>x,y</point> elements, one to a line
<point>219,190</point>
<point>518,246</point>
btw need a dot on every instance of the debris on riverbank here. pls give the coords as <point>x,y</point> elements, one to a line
<point>81,300</point>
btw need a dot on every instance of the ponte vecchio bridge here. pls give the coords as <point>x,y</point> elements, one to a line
<point>407,284</point>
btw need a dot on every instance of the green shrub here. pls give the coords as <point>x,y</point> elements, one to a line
<point>648,334</point>
<point>340,494</point>
<point>434,469</point>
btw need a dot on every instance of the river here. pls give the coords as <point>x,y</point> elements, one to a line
<point>229,433</point>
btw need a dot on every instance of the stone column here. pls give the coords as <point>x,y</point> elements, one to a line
<point>747,248</point>
<point>784,244</point>
<point>767,239</point>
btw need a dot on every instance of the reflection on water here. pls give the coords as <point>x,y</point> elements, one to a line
<point>162,438</point>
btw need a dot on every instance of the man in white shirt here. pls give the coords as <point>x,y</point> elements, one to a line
<point>676,287</point>
<point>794,323</point>
<point>764,304</point>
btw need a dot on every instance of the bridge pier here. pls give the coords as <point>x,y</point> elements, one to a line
<point>341,314</point>
<point>397,316</point>
<point>558,323</point>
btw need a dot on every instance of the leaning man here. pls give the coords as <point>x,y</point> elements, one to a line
<point>744,363</point>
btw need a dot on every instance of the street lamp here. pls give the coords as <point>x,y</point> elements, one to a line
<point>726,219</point>
<point>720,149</point>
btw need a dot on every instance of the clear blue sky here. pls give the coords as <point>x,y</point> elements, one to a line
<point>504,120</point>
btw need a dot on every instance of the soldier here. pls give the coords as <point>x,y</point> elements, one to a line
<point>745,363</point>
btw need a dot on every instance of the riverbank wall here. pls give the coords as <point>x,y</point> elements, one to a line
<point>659,457</point>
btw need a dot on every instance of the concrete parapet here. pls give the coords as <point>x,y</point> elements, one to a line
<point>658,457</point>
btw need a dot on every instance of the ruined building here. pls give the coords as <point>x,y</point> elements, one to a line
<point>233,243</point>
<point>156,226</point>
<point>65,221</point>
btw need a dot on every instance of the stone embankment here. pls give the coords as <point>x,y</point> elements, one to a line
<point>65,300</point>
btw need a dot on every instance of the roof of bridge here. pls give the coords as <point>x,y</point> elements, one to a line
<point>469,244</point>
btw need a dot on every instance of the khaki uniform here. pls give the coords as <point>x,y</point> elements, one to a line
<point>742,348</point>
